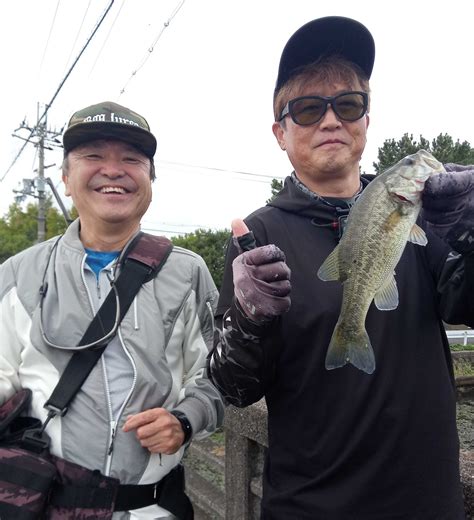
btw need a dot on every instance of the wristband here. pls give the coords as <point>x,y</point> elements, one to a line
<point>185,424</point>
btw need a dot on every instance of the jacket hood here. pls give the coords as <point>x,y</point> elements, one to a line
<point>294,200</point>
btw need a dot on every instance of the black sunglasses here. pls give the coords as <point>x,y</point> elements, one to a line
<point>307,110</point>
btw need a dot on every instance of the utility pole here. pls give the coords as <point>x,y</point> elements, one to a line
<point>43,139</point>
<point>41,127</point>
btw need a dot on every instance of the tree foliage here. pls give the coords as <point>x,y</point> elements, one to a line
<point>19,227</point>
<point>442,147</point>
<point>211,245</point>
<point>276,186</point>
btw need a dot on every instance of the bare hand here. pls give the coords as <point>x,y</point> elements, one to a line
<point>156,430</point>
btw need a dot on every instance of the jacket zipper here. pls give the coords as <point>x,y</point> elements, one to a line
<point>113,423</point>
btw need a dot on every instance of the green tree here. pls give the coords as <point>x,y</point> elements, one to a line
<point>211,245</point>
<point>442,147</point>
<point>19,227</point>
<point>276,186</point>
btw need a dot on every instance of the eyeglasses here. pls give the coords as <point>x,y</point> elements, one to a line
<point>307,110</point>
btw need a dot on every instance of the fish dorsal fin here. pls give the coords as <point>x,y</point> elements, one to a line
<point>329,270</point>
<point>386,298</point>
<point>417,236</point>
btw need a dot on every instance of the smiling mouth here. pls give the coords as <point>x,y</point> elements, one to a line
<point>113,189</point>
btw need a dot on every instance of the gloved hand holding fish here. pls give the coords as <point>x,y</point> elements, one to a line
<point>261,277</point>
<point>448,206</point>
<point>379,225</point>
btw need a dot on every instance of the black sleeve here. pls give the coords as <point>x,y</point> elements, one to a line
<point>241,364</point>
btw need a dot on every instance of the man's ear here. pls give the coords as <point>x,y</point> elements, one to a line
<point>67,191</point>
<point>279,133</point>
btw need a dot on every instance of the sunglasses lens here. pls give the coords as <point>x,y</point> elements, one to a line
<point>306,111</point>
<point>350,106</point>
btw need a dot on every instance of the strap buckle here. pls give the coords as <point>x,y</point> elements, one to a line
<point>53,411</point>
<point>35,440</point>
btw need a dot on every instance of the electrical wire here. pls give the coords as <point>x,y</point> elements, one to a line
<point>48,106</point>
<point>49,35</point>
<point>152,46</point>
<point>186,165</point>
<point>78,32</point>
<point>149,224</point>
<point>171,231</point>
<point>106,38</point>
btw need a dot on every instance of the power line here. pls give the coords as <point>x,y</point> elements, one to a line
<point>78,31</point>
<point>106,38</point>
<point>152,46</point>
<point>150,224</point>
<point>48,106</point>
<point>210,168</point>
<point>49,35</point>
<point>171,231</point>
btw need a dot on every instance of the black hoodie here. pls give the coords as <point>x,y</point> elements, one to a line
<point>345,445</point>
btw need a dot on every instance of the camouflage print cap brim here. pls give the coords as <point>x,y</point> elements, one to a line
<point>108,120</point>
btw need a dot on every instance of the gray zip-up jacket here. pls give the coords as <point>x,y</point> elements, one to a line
<point>161,347</point>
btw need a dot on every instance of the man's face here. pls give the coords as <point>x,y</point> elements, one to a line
<point>326,150</point>
<point>109,182</point>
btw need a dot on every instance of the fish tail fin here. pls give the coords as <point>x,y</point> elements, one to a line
<point>354,348</point>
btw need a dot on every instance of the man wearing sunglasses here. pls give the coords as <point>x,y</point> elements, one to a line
<point>343,445</point>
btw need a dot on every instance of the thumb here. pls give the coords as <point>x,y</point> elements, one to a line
<point>239,227</point>
<point>243,238</point>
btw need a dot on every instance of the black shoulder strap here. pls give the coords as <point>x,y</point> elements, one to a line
<point>140,263</point>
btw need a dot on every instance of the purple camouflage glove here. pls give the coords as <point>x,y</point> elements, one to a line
<point>261,278</point>
<point>448,206</point>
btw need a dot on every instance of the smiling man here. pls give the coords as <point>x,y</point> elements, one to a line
<point>149,394</point>
<point>342,444</point>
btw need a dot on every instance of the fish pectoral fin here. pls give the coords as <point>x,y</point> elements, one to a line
<point>417,236</point>
<point>329,270</point>
<point>386,298</point>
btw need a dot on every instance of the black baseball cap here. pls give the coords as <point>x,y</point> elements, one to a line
<point>324,37</point>
<point>109,120</point>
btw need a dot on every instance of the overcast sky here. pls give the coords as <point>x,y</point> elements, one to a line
<point>206,88</point>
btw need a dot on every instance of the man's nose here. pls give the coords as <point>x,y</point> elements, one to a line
<point>112,168</point>
<point>330,119</point>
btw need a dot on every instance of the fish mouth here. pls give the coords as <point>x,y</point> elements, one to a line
<point>407,198</point>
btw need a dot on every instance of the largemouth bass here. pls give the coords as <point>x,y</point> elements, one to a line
<point>379,225</point>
